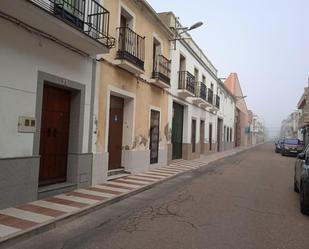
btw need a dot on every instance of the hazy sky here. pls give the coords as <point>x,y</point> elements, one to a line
<point>265,41</point>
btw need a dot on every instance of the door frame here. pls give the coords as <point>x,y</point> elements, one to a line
<point>76,127</point>
<point>128,134</point>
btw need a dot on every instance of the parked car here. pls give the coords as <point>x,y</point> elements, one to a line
<point>301,179</point>
<point>278,144</point>
<point>291,146</point>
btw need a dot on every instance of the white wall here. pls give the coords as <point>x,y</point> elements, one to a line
<point>22,56</point>
<point>192,111</point>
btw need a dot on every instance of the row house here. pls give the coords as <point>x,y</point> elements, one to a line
<point>132,123</point>
<point>226,102</point>
<point>303,119</point>
<point>92,90</point>
<point>195,127</point>
<point>289,126</point>
<point>48,80</point>
<point>242,124</point>
<point>257,131</point>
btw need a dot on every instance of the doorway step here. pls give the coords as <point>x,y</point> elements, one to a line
<point>116,173</point>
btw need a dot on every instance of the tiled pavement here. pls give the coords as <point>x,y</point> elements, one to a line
<point>15,221</point>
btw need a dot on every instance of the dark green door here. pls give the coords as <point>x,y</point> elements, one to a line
<point>177,130</point>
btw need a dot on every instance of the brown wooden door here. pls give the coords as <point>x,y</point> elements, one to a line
<point>54,135</point>
<point>115,132</point>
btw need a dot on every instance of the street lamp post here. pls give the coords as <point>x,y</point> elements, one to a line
<point>181,30</point>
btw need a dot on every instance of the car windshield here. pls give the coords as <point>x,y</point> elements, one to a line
<point>291,141</point>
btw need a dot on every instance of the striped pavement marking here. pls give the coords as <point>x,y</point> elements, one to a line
<point>41,210</point>
<point>116,185</point>
<point>184,168</point>
<point>92,197</point>
<point>128,183</point>
<point>66,202</point>
<point>7,230</point>
<point>118,189</point>
<point>150,176</point>
<point>26,215</point>
<point>16,222</point>
<point>105,190</point>
<point>91,192</point>
<point>139,182</point>
<point>172,170</point>
<point>143,179</point>
<point>165,173</point>
<point>13,220</point>
<point>78,199</point>
<point>59,207</point>
<point>159,172</point>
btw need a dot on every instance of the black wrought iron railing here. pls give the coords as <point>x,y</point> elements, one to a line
<point>131,47</point>
<point>201,90</point>
<point>162,69</point>
<point>217,101</point>
<point>186,81</point>
<point>88,16</point>
<point>210,96</point>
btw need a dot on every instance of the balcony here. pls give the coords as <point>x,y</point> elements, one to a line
<point>210,97</point>
<point>186,84</point>
<point>200,94</point>
<point>303,120</point>
<point>161,75</point>
<point>131,51</point>
<point>82,25</point>
<point>217,104</point>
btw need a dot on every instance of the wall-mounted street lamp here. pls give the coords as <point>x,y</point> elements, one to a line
<point>180,30</point>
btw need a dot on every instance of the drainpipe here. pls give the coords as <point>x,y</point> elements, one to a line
<point>92,102</point>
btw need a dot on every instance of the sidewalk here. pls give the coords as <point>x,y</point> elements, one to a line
<point>38,216</point>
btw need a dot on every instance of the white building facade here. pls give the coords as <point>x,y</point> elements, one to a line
<point>201,110</point>
<point>47,91</point>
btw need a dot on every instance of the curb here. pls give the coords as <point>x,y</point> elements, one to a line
<point>26,234</point>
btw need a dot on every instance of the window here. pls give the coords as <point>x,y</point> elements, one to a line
<point>231,135</point>
<point>196,74</point>
<point>126,19</point>
<point>204,79</point>
<point>212,86</point>
<point>182,63</point>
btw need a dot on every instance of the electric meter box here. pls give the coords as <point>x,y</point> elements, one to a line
<point>26,124</point>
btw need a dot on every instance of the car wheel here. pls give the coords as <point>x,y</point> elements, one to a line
<point>304,209</point>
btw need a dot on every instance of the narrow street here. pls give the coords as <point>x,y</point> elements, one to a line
<point>245,201</point>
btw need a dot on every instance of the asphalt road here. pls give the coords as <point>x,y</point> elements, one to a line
<point>242,202</point>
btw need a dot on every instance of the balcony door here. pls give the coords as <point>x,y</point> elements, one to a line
<point>156,52</point>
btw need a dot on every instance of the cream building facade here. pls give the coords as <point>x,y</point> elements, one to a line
<point>132,125</point>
